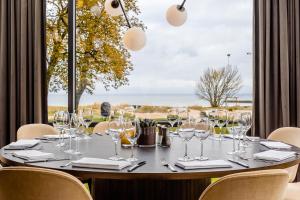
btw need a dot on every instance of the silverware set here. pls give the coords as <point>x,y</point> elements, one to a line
<point>166,164</point>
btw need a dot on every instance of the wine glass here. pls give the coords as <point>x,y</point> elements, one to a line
<point>73,127</point>
<point>172,117</point>
<point>213,121</point>
<point>132,133</point>
<point>116,131</point>
<point>58,123</point>
<point>202,132</point>
<point>246,122</point>
<point>186,133</point>
<point>86,118</point>
<point>233,130</point>
<point>221,122</point>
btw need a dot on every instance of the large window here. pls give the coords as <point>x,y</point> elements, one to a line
<point>166,72</point>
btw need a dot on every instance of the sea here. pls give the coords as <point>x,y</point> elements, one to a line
<point>174,100</point>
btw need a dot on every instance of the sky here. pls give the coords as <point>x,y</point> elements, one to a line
<point>175,57</point>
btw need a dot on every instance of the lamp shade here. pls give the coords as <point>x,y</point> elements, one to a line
<point>134,39</point>
<point>113,8</point>
<point>96,10</point>
<point>176,16</point>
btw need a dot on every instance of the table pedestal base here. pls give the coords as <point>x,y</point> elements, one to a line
<point>149,189</point>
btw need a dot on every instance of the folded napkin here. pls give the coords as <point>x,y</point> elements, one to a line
<point>33,155</point>
<point>204,164</point>
<point>275,145</point>
<point>99,163</point>
<point>57,136</point>
<point>22,144</point>
<point>274,155</point>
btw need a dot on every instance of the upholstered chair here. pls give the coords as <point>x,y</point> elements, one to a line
<point>31,131</point>
<point>101,127</point>
<point>24,183</point>
<point>258,185</point>
<point>290,135</point>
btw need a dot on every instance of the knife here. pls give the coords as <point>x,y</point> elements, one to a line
<point>45,160</point>
<point>239,163</point>
<point>136,166</point>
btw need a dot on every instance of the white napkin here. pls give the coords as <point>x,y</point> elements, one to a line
<point>274,155</point>
<point>101,163</point>
<point>33,155</point>
<point>275,145</point>
<point>195,164</point>
<point>57,136</point>
<point>22,144</point>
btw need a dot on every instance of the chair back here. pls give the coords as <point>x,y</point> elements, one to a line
<point>258,185</point>
<point>289,135</point>
<point>31,131</point>
<point>24,183</point>
<point>101,127</point>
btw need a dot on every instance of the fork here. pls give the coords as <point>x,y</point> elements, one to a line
<point>166,164</point>
<point>66,165</point>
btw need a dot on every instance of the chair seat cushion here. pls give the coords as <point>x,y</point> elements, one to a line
<point>293,191</point>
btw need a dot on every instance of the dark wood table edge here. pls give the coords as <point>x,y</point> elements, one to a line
<point>156,176</point>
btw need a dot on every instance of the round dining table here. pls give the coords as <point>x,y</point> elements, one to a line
<point>152,180</point>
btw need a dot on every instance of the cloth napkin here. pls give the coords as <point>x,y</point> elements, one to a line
<point>33,155</point>
<point>99,163</point>
<point>22,144</point>
<point>274,155</point>
<point>204,164</point>
<point>275,145</point>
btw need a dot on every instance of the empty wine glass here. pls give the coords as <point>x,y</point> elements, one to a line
<point>58,123</point>
<point>73,127</point>
<point>233,130</point>
<point>221,122</point>
<point>132,133</point>
<point>213,121</point>
<point>116,131</point>
<point>186,133</point>
<point>202,132</point>
<point>86,118</point>
<point>172,117</point>
<point>246,122</point>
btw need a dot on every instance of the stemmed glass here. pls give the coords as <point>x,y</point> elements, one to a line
<point>202,132</point>
<point>132,133</point>
<point>213,121</point>
<point>233,129</point>
<point>246,122</point>
<point>186,132</point>
<point>116,131</point>
<point>59,123</point>
<point>172,118</point>
<point>73,127</point>
<point>86,118</point>
<point>221,122</point>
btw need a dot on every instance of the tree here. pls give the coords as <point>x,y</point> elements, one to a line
<point>100,53</point>
<point>217,85</point>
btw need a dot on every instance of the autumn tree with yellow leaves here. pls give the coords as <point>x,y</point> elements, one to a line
<point>100,53</point>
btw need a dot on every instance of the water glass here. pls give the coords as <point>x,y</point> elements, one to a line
<point>202,132</point>
<point>186,133</point>
<point>116,131</point>
<point>132,133</point>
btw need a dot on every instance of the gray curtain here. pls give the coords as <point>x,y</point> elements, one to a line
<point>22,65</point>
<point>276,65</point>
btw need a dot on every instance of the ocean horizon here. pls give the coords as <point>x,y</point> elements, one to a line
<point>138,99</point>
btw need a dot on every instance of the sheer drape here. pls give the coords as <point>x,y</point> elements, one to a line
<point>276,65</point>
<point>22,65</point>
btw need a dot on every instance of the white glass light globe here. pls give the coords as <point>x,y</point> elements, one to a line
<point>111,10</point>
<point>134,39</point>
<point>175,16</point>
<point>96,10</point>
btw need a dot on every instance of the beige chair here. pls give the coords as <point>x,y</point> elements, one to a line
<point>31,131</point>
<point>24,183</point>
<point>259,185</point>
<point>291,136</point>
<point>101,127</point>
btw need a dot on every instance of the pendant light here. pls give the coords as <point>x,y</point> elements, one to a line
<point>176,15</point>
<point>113,7</point>
<point>135,37</point>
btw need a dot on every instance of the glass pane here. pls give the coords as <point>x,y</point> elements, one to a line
<point>57,55</point>
<point>166,72</point>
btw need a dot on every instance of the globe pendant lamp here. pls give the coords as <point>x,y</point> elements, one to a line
<point>134,38</point>
<point>176,15</point>
<point>113,7</point>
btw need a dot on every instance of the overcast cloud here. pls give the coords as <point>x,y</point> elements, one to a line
<point>174,58</point>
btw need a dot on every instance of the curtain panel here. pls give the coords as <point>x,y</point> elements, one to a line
<point>22,66</point>
<point>276,54</point>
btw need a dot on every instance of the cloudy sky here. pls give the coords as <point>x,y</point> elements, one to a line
<point>174,58</point>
